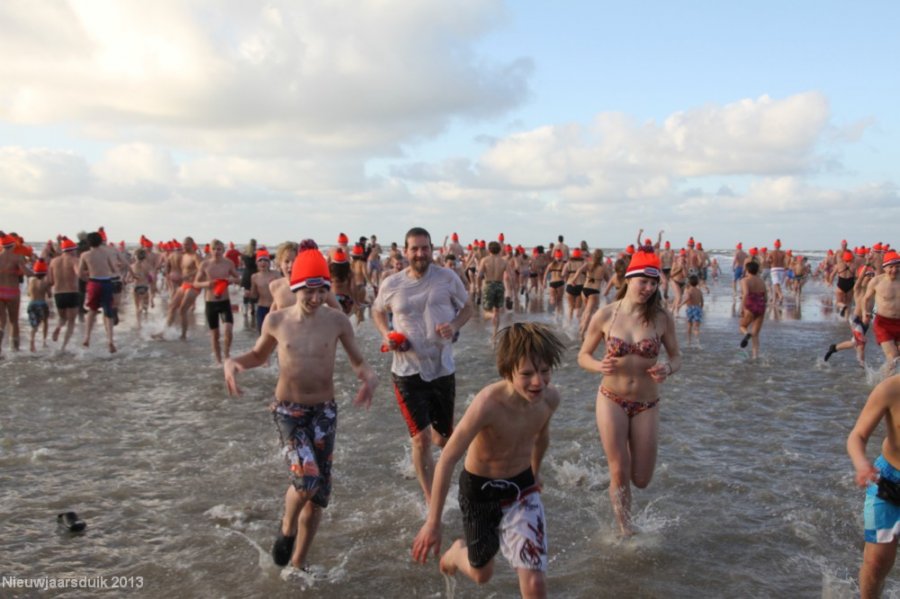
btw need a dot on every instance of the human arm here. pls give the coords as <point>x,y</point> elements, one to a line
<point>364,372</point>
<point>870,293</point>
<point>877,405</point>
<point>257,356</point>
<point>448,330</point>
<point>592,338</point>
<point>660,371</point>
<point>542,442</point>
<point>428,540</point>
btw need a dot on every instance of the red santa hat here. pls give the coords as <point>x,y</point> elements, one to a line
<point>40,267</point>
<point>643,264</point>
<point>67,245</point>
<point>890,259</point>
<point>310,268</point>
<point>339,257</point>
<point>342,239</point>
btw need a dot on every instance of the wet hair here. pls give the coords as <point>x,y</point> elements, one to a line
<point>653,307</point>
<point>284,248</point>
<point>753,267</point>
<point>494,247</point>
<point>694,280</point>
<point>416,232</point>
<point>340,271</point>
<point>94,239</point>
<point>527,341</point>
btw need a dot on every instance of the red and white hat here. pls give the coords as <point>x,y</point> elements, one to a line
<point>643,264</point>
<point>67,245</point>
<point>342,239</point>
<point>310,268</point>
<point>40,267</point>
<point>339,256</point>
<point>890,259</point>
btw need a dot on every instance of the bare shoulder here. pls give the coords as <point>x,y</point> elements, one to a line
<point>552,396</point>
<point>888,391</point>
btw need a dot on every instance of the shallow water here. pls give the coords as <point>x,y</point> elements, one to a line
<point>182,485</point>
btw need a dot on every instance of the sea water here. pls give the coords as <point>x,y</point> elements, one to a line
<point>182,486</point>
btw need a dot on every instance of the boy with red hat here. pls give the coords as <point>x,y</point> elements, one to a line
<point>62,277</point>
<point>215,275</point>
<point>38,292</point>
<point>306,335</point>
<point>885,290</point>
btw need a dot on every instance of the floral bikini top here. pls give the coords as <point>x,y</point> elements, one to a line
<point>617,347</point>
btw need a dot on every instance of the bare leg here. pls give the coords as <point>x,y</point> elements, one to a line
<point>108,324</point>
<point>532,583</point>
<point>228,338</point>
<point>89,326</point>
<point>456,558</point>
<point>878,559</point>
<point>307,524</point>
<point>216,345</point>
<point>423,461</point>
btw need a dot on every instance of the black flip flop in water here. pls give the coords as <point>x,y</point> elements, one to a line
<point>282,549</point>
<point>71,522</point>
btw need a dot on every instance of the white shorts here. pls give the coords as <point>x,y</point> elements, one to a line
<point>523,541</point>
<point>777,276</point>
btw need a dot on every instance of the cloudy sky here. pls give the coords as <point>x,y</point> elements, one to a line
<point>284,119</point>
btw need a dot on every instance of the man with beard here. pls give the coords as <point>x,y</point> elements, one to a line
<point>428,304</point>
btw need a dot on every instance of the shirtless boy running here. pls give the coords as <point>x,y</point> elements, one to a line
<point>504,434</point>
<point>306,335</point>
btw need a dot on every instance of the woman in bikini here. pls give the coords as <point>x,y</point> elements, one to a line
<point>633,329</point>
<point>554,269</point>
<point>596,275</point>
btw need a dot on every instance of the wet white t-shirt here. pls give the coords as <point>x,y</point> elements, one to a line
<point>418,306</point>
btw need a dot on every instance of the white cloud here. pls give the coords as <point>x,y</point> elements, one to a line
<point>280,78</point>
<point>41,173</point>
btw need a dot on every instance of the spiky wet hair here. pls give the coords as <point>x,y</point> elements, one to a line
<point>527,340</point>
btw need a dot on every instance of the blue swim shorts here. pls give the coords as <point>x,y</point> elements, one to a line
<point>882,518</point>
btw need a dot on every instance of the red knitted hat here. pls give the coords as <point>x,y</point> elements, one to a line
<point>643,264</point>
<point>310,268</point>
<point>339,257</point>
<point>891,258</point>
<point>40,267</point>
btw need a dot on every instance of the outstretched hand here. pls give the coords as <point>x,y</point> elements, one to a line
<point>427,541</point>
<point>366,389</point>
<point>659,372</point>
<point>231,368</point>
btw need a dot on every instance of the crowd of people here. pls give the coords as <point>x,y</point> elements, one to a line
<point>418,296</point>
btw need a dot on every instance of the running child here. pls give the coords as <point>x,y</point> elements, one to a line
<point>504,434</point>
<point>38,309</point>
<point>306,336</point>
<point>693,299</point>
<point>753,302</point>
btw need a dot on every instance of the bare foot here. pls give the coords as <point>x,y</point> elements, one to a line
<point>56,335</point>
<point>86,343</point>
<point>112,348</point>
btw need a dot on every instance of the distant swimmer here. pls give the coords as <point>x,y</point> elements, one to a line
<point>737,267</point>
<point>634,329</point>
<point>881,511</point>
<point>259,286</point>
<point>504,435</point>
<point>12,268</point>
<point>38,308</point>
<point>215,276</point>
<point>98,266</point>
<point>753,306</point>
<point>885,290</point>
<point>306,335</point>
<point>858,328</point>
<point>63,277</point>
<point>490,272</point>
<point>693,302</point>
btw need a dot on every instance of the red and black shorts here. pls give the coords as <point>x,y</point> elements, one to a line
<point>426,403</point>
